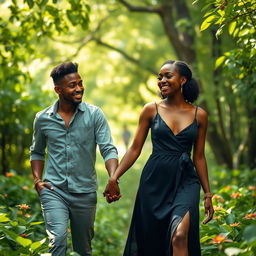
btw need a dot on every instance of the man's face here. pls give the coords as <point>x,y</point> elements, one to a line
<point>70,88</point>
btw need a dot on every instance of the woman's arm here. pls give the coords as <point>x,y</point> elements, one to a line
<point>200,162</point>
<point>134,150</point>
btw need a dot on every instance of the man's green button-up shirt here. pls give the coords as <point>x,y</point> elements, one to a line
<point>71,151</point>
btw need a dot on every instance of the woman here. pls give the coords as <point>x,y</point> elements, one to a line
<point>166,216</point>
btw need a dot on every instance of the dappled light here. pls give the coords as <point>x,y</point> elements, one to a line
<point>120,46</point>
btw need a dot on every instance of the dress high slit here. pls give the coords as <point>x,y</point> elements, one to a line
<point>169,188</point>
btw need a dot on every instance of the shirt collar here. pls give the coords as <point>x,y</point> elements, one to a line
<point>53,109</point>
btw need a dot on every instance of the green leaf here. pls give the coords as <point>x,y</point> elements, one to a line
<point>20,229</point>
<point>30,3</point>
<point>23,241</point>
<point>14,223</point>
<point>232,27</point>
<point>250,233</point>
<point>195,2</point>
<point>206,7</point>
<point>231,218</point>
<point>72,17</point>
<point>43,3</point>
<point>209,247</point>
<point>36,223</point>
<point>37,244</point>
<point>22,221</point>
<point>208,13</point>
<point>243,32</point>
<point>206,238</point>
<point>10,234</point>
<point>219,31</point>
<point>52,10</point>
<point>3,217</point>
<point>219,61</point>
<point>207,22</point>
<point>236,32</point>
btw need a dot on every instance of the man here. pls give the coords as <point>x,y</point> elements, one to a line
<point>70,129</point>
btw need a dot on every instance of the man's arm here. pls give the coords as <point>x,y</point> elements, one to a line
<point>103,137</point>
<point>37,167</point>
<point>37,153</point>
<point>111,165</point>
<point>107,150</point>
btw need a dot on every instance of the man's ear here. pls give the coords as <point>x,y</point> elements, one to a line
<point>57,89</point>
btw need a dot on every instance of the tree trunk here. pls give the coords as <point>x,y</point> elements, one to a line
<point>4,164</point>
<point>251,140</point>
<point>181,42</point>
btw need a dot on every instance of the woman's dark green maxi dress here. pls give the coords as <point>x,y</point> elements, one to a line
<point>169,188</point>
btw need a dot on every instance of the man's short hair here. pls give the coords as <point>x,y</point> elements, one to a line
<point>63,69</point>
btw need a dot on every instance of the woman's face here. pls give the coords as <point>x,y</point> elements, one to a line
<point>169,80</point>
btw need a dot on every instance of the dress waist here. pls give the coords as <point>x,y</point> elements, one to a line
<point>172,153</point>
<point>185,164</point>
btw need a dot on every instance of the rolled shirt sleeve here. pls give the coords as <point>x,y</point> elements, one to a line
<point>103,137</point>
<point>37,149</point>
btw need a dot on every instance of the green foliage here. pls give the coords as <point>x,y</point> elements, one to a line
<point>239,19</point>
<point>23,25</point>
<point>232,231</point>
<point>111,220</point>
<point>21,224</point>
<point>15,231</point>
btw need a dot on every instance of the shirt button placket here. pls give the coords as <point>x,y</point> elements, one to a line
<point>68,150</point>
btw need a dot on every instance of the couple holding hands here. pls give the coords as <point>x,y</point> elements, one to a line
<point>165,219</point>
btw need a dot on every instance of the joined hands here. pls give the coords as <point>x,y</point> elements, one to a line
<point>112,191</point>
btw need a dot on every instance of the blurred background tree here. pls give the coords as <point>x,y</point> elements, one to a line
<point>23,27</point>
<point>120,45</point>
<point>237,65</point>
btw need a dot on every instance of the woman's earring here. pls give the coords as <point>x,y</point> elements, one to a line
<point>181,88</point>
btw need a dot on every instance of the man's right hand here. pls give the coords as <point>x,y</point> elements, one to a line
<point>40,185</point>
<point>112,192</point>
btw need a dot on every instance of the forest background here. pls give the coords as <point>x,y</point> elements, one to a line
<point>120,46</point>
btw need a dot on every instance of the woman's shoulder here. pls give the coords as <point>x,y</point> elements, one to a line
<point>151,105</point>
<point>201,114</point>
<point>150,109</point>
<point>201,111</point>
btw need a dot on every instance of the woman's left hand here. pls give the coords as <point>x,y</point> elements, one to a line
<point>208,209</point>
<point>112,192</point>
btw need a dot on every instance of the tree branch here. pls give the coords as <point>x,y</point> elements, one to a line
<point>87,39</point>
<point>181,45</point>
<point>124,54</point>
<point>249,13</point>
<point>133,8</point>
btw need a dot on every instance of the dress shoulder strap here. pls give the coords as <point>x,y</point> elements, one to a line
<point>156,108</point>
<point>196,111</point>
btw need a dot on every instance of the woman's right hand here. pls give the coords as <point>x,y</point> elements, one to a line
<point>209,211</point>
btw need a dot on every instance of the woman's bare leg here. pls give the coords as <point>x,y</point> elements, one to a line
<point>180,237</point>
